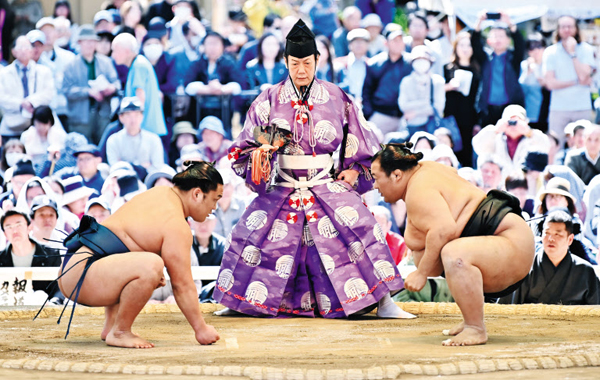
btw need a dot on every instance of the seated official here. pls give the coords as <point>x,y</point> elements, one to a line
<point>22,251</point>
<point>557,276</point>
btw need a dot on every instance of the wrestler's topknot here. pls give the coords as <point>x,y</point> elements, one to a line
<point>198,174</point>
<point>397,156</point>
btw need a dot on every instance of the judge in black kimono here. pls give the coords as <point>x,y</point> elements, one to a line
<point>557,276</point>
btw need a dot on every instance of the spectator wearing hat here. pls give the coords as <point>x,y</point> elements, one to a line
<point>499,86</point>
<point>89,84</point>
<point>62,158</point>
<point>422,93</point>
<point>57,59</point>
<point>98,208</point>
<point>38,41</point>
<point>511,139</point>
<point>104,21</point>
<point>160,177</point>
<point>568,66</point>
<point>372,23</point>
<point>585,163</point>
<point>183,134</point>
<point>213,144</point>
<point>42,134</point>
<point>88,160</point>
<point>418,28</point>
<point>32,188</point>
<point>65,31</point>
<point>351,17</point>
<point>21,173</point>
<point>189,153</point>
<point>381,88</point>
<point>132,144</point>
<point>533,166</point>
<point>24,85</point>
<point>44,218</point>
<point>490,167</point>
<point>575,139</point>
<point>23,251</point>
<point>443,154</point>
<point>230,208</point>
<point>141,82</point>
<point>129,186</point>
<point>352,69</point>
<point>76,196</point>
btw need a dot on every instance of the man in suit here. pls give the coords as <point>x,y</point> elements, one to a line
<point>24,85</point>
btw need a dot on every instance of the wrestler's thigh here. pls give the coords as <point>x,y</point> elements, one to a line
<point>107,277</point>
<point>502,260</point>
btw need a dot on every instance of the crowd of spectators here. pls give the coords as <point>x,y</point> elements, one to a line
<point>94,114</point>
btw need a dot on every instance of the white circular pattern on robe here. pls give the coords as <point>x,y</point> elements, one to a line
<point>284,266</point>
<point>384,270</point>
<point>251,255</point>
<point>336,187</point>
<point>307,238</point>
<point>328,263</point>
<point>306,302</point>
<point>282,124</point>
<point>263,111</point>
<point>326,228</point>
<point>378,232</point>
<point>363,122</point>
<point>346,216</point>
<point>324,303</point>
<point>351,145</point>
<point>324,132</point>
<point>227,243</point>
<point>356,287</point>
<point>319,94</point>
<point>226,279</point>
<point>256,292</point>
<point>355,251</point>
<point>256,220</point>
<point>278,232</point>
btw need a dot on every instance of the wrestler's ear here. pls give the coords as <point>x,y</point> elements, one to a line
<point>396,174</point>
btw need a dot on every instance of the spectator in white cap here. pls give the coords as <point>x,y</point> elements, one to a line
<point>57,59</point>
<point>422,93</point>
<point>88,165</point>
<point>189,152</point>
<point>104,21</point>
<point>38,40</point>
<point>24,85</point>
<point>163,176</point>
<point>98,208</point>
<point>443,154</point>
<point>213,144</point>
<point>352,69</point>
<point>76,195</point>
<point>141,148</point>
<point>510,139</point>
<point>372,23</point>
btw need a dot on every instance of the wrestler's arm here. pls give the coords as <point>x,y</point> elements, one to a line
<point>429,212</point>
<point>176,255</point>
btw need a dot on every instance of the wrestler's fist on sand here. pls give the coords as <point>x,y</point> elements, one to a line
<point>415,281</point>
<point>207,335</point>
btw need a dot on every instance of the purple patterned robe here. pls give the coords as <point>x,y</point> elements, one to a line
<point>303,252</point>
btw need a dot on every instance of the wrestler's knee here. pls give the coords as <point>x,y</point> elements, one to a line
<point>452,258</point>
<point>154,267</point>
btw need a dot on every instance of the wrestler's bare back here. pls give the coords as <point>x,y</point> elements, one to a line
<point>144,222</point>
<point>431,180</point>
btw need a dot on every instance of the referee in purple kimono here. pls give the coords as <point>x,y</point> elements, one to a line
<point>307,245</point>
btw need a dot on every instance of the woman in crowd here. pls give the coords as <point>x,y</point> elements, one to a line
<point>12,152</point>
<point>462,81</point>
<point>41,135</point>
<point>268,68</point>
<point>131,16</point>
<point>325,69</point>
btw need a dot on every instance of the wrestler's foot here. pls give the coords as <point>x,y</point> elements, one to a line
<point>126,339</point>
<point>470,336</point>
<point>387,308</point>
<point>227,312</point>
<point>455,330</point>
<point>106,330</point>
